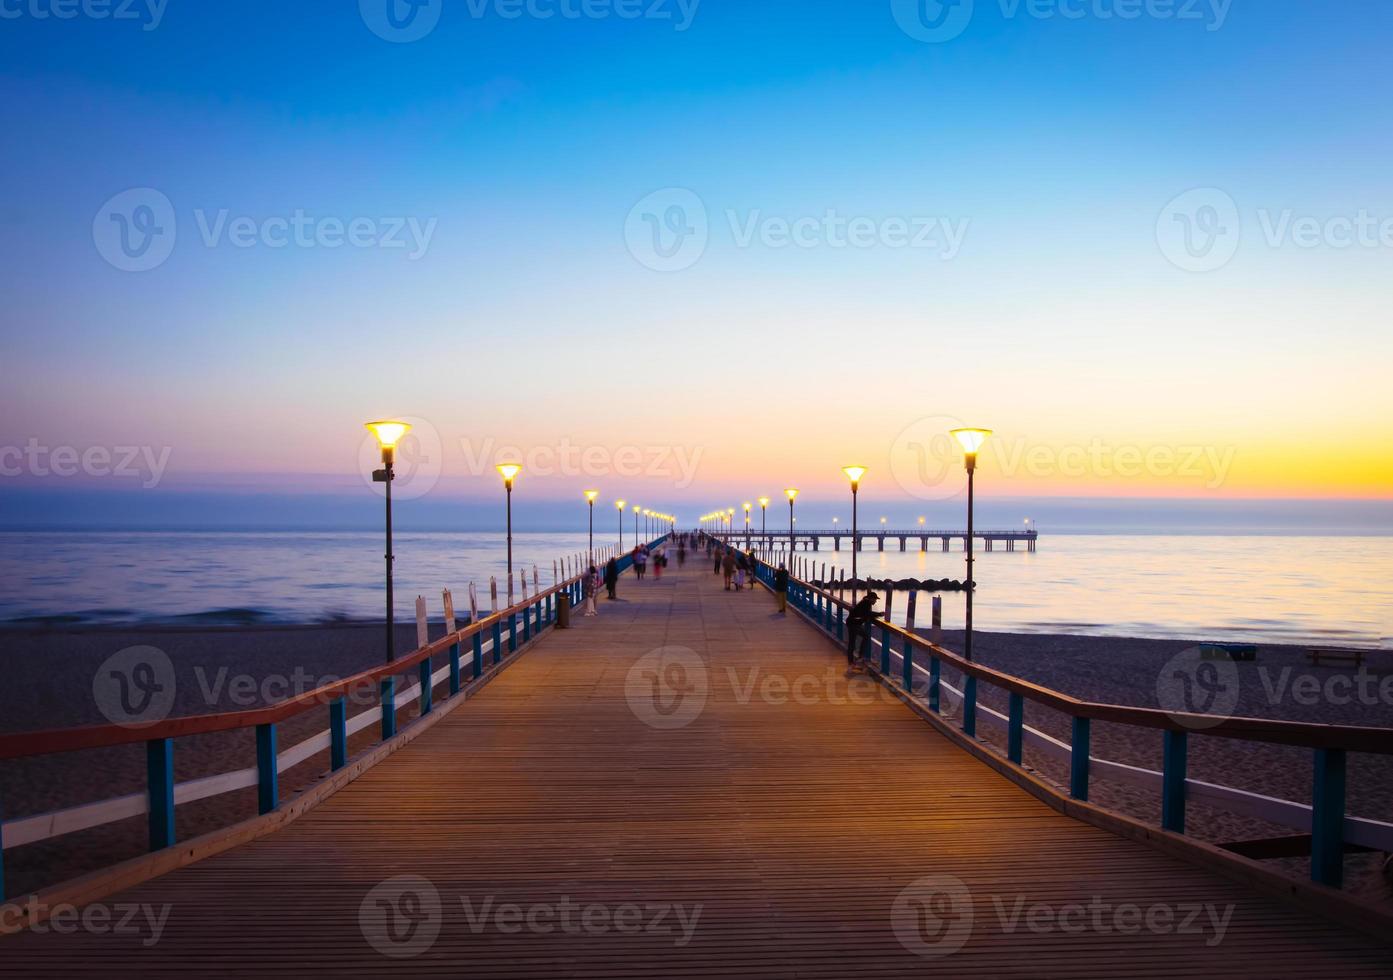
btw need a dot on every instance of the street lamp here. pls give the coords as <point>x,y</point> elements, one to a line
<point>792,494</point>
<point>971,440</point>
<point>746,505</point>
<point>619,505</point>
<point>636,510</point>
<point>854,474</point>
<point>590,496</point>
<point>388,434</point>
<point>509,472</point>
<point>764,519</point>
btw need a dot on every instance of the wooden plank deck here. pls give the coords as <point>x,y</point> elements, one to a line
<point>811,836</point>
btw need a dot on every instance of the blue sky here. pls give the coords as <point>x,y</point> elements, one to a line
<point>525,143</point>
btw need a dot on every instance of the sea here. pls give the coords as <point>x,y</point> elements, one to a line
<point>1328,590</point>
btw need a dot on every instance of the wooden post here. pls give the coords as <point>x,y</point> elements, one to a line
<point>267,790</point>
<point>1015,727</point>
<point>1175,753</point>
<point>338,734</point>
<point>936,624</point>
<point>447,601</point>
<point>1328,818</point>
<point>388,696</point>
<point>422,630</point>
<point>159,770</point>
<point>1078,760</point>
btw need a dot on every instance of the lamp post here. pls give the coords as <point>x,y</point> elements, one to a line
<point>971,440</point>
<point>619,506</point>
<point>746,505</point>
<point>388,434</point>
<point>764,520</point>
<point>854,474</point>
<point>636,510</point>
<point>792,494</point>
<point>590,496</point>
<point>509,472</point>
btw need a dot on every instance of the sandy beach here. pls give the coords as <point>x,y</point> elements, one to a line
<point>52,673</point>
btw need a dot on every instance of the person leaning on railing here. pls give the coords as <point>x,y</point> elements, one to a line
<point>781,588</point>
<point>858,632</point>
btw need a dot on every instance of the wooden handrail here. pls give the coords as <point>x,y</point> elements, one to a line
<point>47,742</point>
<point>1352,738</point>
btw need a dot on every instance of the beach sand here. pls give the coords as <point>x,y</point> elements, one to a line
<point>51,675</point>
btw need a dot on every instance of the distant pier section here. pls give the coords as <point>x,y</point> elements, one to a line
<point>811,540</point>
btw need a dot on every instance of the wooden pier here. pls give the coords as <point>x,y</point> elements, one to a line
<point>659,758</point>
<point>812,540</point>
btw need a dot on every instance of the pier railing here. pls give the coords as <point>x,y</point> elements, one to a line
<point>487,641</point>
<point>913,665</point>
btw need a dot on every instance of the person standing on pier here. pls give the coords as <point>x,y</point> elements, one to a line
<point>591,585</point>
<point>858,632</point>
<point>728,567</point>
<point>781,589</point>
<point>754,566</point>
<point>716,568</point>
<point>612,578</point>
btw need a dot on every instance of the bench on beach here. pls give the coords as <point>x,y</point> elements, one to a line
<point>1318,654</point>
<point>1228,651</point>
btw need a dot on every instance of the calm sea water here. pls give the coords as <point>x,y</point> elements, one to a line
<point>1274,589</point>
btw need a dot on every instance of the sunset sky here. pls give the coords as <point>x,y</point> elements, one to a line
<point>1038,159</point>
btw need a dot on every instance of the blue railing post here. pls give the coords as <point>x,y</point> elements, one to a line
<point>526,625</point>
<point>512,632</point>
<point>969,706</point>
<point>1175,762</point>
<point>423,673</point>
<point>884,650</point>
<point>841,625</point>
<point>454,669</point>
<point>159,772</point>
<point>478,669</point>
<point>389,707</point>
<point>1328,818</point>
<point>338,734</point>
<point>1078,760</point>
<point>267,792</point>
<point>935,684</point>
<point>1015,726</point>
<point>907,665</point>
<point>497,641</point>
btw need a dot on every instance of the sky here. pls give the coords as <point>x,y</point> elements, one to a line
<point>692,253</point>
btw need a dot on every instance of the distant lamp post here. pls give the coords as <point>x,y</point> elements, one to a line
<point>636,510</point>
<point>590,496</point>
<point>792,494</point>
<point>764,520</point>
<point>853,475</point>
<point>619,506</point>
<point>388,435</point>
<point>747,524</point>
<point>509,472</point>
<point>971,440</point>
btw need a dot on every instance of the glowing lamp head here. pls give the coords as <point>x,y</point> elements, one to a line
<point>590,496</point>
<point>921,522</point>
<point>619,504</point>
<point>791,493</point>
<point>388,435</point>
<point>746,505</point>
<point>854,473</point>
<point>509,472</point>
<point>971,439</point>
<point>763,502</point>
<point>635,508</point>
